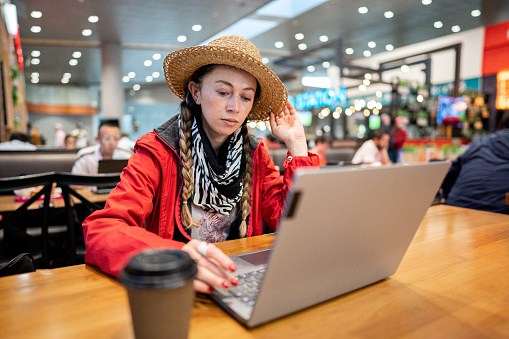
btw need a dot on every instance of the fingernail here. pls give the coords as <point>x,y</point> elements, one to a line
<point>232,267</point>
<point>211,289</point>
<point>235,282</point>
<point>225,284</point>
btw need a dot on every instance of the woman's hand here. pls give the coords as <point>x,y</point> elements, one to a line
<point>214,266</point>
<point>286,126</point>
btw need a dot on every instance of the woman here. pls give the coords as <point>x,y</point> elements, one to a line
<point>200,177</point>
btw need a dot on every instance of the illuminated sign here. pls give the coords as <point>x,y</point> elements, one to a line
<point>502,101</point>
<point>322,98</point>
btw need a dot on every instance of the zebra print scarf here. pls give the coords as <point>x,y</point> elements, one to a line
<point>217,178</point>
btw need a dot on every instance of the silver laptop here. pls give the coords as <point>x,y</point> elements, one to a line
<point>343,229</point>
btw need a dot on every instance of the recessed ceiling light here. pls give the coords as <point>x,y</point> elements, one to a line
<point>362,88</point>
<point>156,75</point>
<point>35,29</point>
<point>36,54</point>
<point>73,62</point>
<point>363,10</point>
<point>131,75</point>
<point>181,38</point>
<point>279,44</point>
<point>265,60</point>
<point>475,13</point>
<point>35,62</point>
<point>389,14</point>
<point>35,75</point>
<point>66,75</point>
<point>35,80</point>
<point>136,87</point>
<point>65,80</point>
<point>367,54</point>
<point>76,55</point>
<point>86,32</point>
<point>389,47</point>
<point>405,69</point>
<point>366,82</point>
<point>147,63</point>
<point>93,18</point>
<point>148,78</point>
<point>349,51</point>
<point>371,44</point>
<point>299,36</point>
<point>311,68</point>
<point>438,24</point>
<point>426,2</point>
<point>323,38</point>
<point>367,76</point>
<point>196,28</point>
<point>455,28</point>
<point>125,78</point>
<point>156,56</point>
<point>325,64</point>
<point>36,14</point>
<point>302,46</point>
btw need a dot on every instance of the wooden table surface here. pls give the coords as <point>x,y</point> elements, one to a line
<point>452,282</point>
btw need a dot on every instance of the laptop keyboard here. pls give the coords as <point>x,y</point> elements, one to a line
<point>248,287</point>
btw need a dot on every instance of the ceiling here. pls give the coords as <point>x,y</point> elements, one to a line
<point>145,27</point>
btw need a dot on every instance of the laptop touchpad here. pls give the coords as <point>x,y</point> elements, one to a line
<point>257,258</point>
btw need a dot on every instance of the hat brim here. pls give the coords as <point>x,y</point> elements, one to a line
<point>180,65</point>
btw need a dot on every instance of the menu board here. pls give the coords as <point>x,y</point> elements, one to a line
<point>502,101</point>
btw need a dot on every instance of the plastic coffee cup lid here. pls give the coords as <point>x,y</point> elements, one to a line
<point>159,268</point>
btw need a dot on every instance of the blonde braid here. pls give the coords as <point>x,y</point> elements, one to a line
<point>186,124</point>
<point>245,201</point>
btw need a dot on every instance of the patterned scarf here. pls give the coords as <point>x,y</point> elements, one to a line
<point>217,178</point>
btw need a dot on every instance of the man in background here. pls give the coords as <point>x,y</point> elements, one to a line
<point>373,151</point>
<point>322,146</point>
<point>18,142</point>
<point>59,135</point>
<point>87,161</point>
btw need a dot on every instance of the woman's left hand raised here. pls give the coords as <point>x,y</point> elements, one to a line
<point>286,126</point>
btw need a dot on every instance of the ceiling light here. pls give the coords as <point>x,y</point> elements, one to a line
<point>36,54</point>
<point>336,114</point>
<point>475,13</point>
<point>156,56</point>
<point>389,47</point>
<point>181,38</point>
<point>35,80</point>
<point>156,75</point>
<point>405,68</point>
<point>136,87</point>
<point>349,51</point>
<point>325,64</point>
<point>131,75</point>
<point>302,46</point>
<point>73,62</point>
<point>196,28</point>
<point>35,61</point>
<point>366,82</point>
<point>323,38</point>
<point>93,18</point>
<point>311,68</point>
<point>148,78</point>
<point>378,94</point>
<point>420,98</point>
<point>367,54</point>
<point>86,32</point>
<point>362,88</point>
<point>371,44</point>
<point>35,74</point>
<point>125,78</point>
<point>265,60</point>
<point>388,14</point>
<point>279,44</point>
<point>66,75</point>
<point>320,82</point>
<point>455,28</point>
<point>65,80</point>
<point>363,10</point>
<point>147,63</point>
<point>76,55</point>
<point>367,76</point>
<point>426,2</point>
<point>438,24</point>
<point>35,29</point>
<point>348,111</point>
<point>299,36</point>
<point>36,14</point>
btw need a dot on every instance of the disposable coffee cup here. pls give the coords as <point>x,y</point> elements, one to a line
<point>161,295</point>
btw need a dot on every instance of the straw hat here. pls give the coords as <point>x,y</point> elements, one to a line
<point>235,51</point>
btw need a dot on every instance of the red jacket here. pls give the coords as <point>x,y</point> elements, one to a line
<point>144,209</point>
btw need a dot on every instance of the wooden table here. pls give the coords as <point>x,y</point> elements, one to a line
<point>453,282</point>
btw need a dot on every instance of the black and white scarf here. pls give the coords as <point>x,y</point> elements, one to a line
<point>217,178</point>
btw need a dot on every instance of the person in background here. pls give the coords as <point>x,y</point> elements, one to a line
<point>322,146</point>
<point>59,140</point>
<point>81,135</point>
<point>271,141</point>
<point>373,151</point>
<point>34,135</point>
<point>397,139</point>
<point>201,177</point>
<point>70,142</point>
<point>479,178</point>
<point>125,142</point>
<point>87,161</point>
<point>18,142</point>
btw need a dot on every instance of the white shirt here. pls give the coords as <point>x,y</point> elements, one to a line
<point>87,160</point>
<point>368,153</point>
<point>17,145</point>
